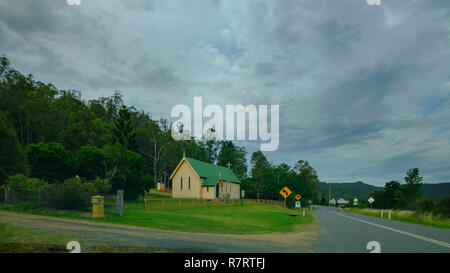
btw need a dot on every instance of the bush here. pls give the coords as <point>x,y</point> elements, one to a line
<point>28,205</point>
<point>75,193</point>
<point>443,208</point>
<point>23,188</point>
<point>426,206</point>
<point>81,183</point>
<point>70,196</point>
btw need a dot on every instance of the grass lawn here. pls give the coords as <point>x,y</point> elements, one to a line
<point>15,239</point>
<point>247,219</point>
<point>405,216</point>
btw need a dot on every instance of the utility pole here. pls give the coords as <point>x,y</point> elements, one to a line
<point>329,199</point>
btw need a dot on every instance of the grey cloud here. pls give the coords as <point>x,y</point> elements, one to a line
<point>362,90</point>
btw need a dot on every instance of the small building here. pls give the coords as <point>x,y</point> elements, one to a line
<point>342,203</point>
<point>195,179</point>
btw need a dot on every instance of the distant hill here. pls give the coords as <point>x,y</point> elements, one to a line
<point>348,190</point>
<point>361,190</point>
<point>439,190</point>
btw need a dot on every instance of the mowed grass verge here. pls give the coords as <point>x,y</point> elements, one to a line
<point>16,239</point>
<point>405,216</point>
<point>246,219</point>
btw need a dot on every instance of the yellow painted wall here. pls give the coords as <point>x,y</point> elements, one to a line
<point>230,188</point>
<point>209,194</point>
<point>185,171</point>
<point>196,191</point>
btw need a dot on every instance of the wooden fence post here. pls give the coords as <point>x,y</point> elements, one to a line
<point>6,195</point>
<point>145,204</point>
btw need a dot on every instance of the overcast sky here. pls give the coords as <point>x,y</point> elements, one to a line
<point>364,91</point>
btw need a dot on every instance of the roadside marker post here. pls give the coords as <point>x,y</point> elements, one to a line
<point>285,192</point>
<point>389,214</point>
<point>381,213</point>
<point>297,206</point>
<point>303,212</point>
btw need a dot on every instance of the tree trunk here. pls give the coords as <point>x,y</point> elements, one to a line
<point>155,172</point>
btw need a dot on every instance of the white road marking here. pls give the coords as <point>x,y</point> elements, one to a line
<point>399,231</point>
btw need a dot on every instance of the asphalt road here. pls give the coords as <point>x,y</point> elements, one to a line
<point>342,232</point>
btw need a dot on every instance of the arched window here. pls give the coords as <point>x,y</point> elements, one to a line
<point>189,182</point>
<point>181,183</point>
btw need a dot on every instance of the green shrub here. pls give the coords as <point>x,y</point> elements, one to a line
<point>426,206</point>
<point>81,183</point>
<point>75,193</point>
<point>71,195</point>
<point>28,205</point>
<point>23,188</point>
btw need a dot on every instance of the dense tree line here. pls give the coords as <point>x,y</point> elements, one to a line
<point>408,195</point>
<point>54,135</point>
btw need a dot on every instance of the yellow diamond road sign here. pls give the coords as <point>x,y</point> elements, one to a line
<point>298,196</point>
<point>285,192</point>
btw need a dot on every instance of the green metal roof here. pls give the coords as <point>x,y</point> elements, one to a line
<point>211,172</point>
